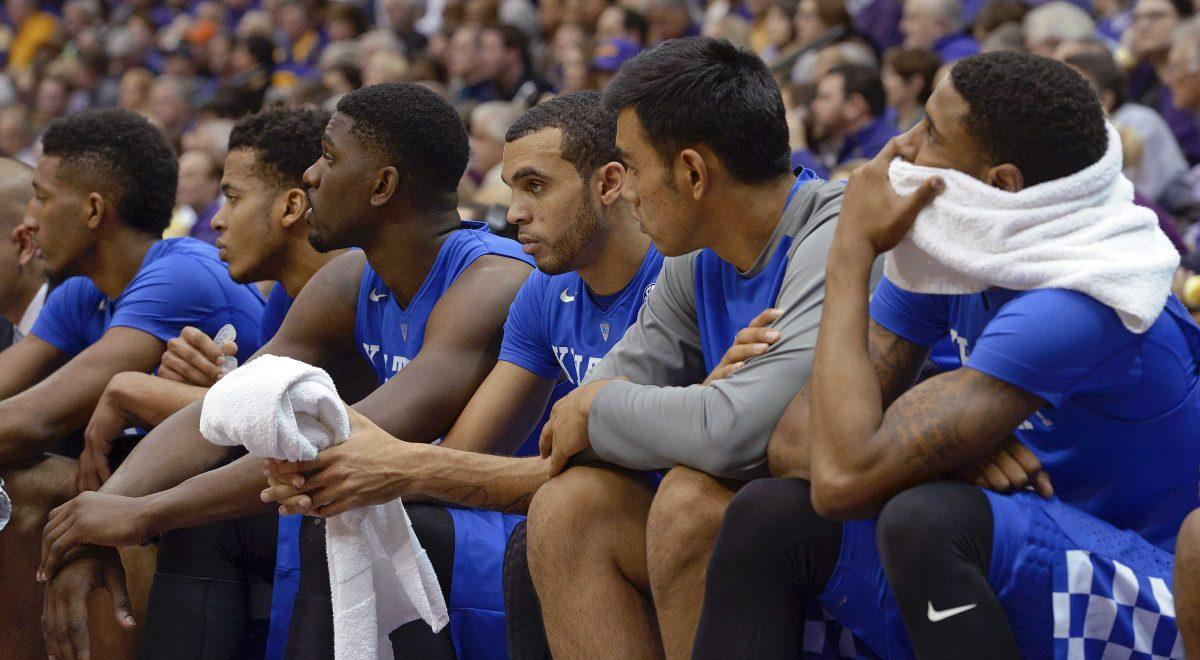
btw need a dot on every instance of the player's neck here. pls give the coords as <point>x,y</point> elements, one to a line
<point>404,251</point>
<point>745,218</point>
<point>618,255</point>
<point>118,260</point>
<point>13,309</point>
<point>303,262</point>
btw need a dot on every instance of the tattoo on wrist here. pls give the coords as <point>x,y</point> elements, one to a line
<point>477,496</point>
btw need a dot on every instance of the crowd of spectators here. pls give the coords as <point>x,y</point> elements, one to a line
<point>853,73</point>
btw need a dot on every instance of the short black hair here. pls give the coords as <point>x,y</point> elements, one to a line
<point>1034,112</point>
<point>126,157</point>
<point>864,81</point>
<point>703,90</point>
<point>589,129</point>
<point>417,132</point>
<point>286,142</point>
<point>1102,68</point>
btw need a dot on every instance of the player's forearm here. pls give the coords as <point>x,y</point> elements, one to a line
<point>231,491</point>
<point>846,399</point>
<point>27,430</point>
<point>485,481</point>
<point>152,399</point>
<point>173,452</point>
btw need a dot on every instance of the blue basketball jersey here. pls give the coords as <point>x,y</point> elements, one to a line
<point>390,336</point>
<point>726,300</point>
<point>1120,432</point>
<point>180,283</point>
<point>278,304</point>
<point>556,325</point>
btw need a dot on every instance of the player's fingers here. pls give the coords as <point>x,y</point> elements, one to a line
<point>766,317</point>
<point>546,441</point>
<point>189,373</point>
<point>114,581</point>
<point>756,336</point>
<point>743,352</point>
<point>995,478</point>
<point>1017,477</point>
<point>1042,485</point>
<point>722,371</point>
<point>1028,460</point>
<point>164,371</point>
<point>277,493</point>
<point>77,628</point>
<point>202,344</point>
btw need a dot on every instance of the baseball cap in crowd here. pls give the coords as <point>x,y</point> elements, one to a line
<point>612,53</point>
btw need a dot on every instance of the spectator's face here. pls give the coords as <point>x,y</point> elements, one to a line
<point>555,213</point>
<point>293,22</point>
<point>58,217</point>
<point>808,21</point>
<point>250,222</point>
<point>485,150</point>
<point>575,69</point>
<point>198,183</point>
<point>493,57</point>
<point>1183,77</point>
<point>340,189</point>
<point>921,24</point>
<point>52,98</point>
<point>1154,21</point>
<point>655,189</point>
<point>133,93</point>
<point>463,54</point>
<point>778,26</point>
<point>611,23</point>
<point>14,133</point>
<point>900,92</point>
<point>828,107</point>
<point>667,22</point>
<point>168,106</point>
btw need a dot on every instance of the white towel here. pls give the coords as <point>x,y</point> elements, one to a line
<point>379,575</point>
<point>1082,233</point>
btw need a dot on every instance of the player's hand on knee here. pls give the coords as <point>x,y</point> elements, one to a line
<point>750,341</point>
<point>1011,468</point>
<point>92,519</point>
<point>65,608</point>
<point>194,358</point>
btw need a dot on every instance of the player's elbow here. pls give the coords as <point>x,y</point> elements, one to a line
<point>838,495</point>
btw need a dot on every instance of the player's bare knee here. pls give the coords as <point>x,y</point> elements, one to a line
<point>684,519</point>
<point>564,509</point>
<point>1187,546</point>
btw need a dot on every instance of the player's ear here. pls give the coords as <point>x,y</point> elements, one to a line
<point>93,210</point>
<point>386,183</point>
<point>26,248</point>
<point>1006,177</point>
<point>692,171</point>
<point>611,177</point>
<point>295,203</point>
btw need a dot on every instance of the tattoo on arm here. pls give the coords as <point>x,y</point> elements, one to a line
<point>897,361</point>
<point>477,496</point>
<point>953,419</point>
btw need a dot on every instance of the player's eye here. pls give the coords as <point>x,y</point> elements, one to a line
<point>535,186</point>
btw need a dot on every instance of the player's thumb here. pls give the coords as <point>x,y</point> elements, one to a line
<point>115,583</point>
<point>924,195</point>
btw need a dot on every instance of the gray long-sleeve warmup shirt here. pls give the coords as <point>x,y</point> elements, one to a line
<point>663,416</point>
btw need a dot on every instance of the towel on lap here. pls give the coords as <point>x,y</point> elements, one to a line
<point>380,576</point>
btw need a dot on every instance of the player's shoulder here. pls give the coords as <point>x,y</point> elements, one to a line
<point>1060,315</point>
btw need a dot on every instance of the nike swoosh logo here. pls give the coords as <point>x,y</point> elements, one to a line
<point>566,298</point>
<point>935,615</point>
<point>375,297</point>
